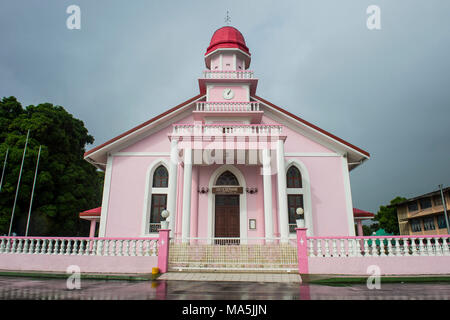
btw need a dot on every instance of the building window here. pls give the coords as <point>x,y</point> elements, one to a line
<point>415,225</point>
<point>437,200</point>
<point>425,203</point>
<point>441,222</point>
<point>412,206</point>
<point>293,178</point>
<point>160,183</point>
<point>227,179</point>
<point>160,177</point>
<point>294,201</point>
<point>428,223</point>
<point>159,202</point>
<point>295,195</point>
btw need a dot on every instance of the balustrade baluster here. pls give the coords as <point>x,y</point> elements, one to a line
<point>319,248</point>
<point>120,248</point>
<point>327,248</point>
<point>38,246</point>
<point>68,247</point>
<point>311,247</point>
<point>146,248</point>
<point>50,246</point>
<point>438,246</point>
<point>342,245</point>
<point>421,247</point>
<point>335,252</point>
<point>25,246</point>
<point>445,246</point>
<point>13,246</point>
<point>366,247</point>
<point>154,248</point>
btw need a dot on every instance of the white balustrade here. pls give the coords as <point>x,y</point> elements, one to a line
<point>223,129</point>
<point>232,74</point>
<point>212,106</point>
<point>398,246</point>
<point>79,246</point>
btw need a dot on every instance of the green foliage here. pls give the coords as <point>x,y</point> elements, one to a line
<point>66,184</point>
<point>387,216</point>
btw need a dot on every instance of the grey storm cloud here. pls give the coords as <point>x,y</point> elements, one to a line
<point>386,91</point>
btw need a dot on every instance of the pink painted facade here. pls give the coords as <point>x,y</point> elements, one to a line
<point>226,129</point>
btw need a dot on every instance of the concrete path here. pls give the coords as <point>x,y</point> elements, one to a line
<point>241,277</point>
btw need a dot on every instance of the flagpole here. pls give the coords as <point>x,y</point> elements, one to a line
<point>18,184</point>
<point>32,191</point>
<point>4,167</point>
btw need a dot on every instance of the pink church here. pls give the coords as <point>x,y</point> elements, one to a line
<point>226,164</point>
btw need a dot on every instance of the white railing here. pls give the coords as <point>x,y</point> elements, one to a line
<point>233,254</point>
<point>221,129</point>
<point>246,74</point>
<point>379,246</point>
<point>80,246</point>
<point>212,106</point>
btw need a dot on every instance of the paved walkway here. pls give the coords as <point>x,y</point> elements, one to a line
<point>241,277</point>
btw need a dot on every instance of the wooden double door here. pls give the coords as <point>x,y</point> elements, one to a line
<point>227,216</point>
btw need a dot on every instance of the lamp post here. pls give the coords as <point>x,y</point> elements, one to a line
<point>444,204</point>
<point>165,223</point>
<point>300,220</point>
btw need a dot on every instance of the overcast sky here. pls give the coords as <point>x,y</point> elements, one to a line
<point>386,91</point>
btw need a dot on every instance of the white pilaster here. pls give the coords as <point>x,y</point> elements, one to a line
<point>267,181</point>
<point>282,195</point>
<point>172,192</point>
<point>105,199</point>
<point>348,197</point>
<point>187,184</point>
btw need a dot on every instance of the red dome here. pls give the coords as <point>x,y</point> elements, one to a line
<point>227,37</point>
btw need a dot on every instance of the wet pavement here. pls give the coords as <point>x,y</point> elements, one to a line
<point>56,289</point>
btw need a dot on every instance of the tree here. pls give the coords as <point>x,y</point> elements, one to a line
<point>387,216</point>
<point>66,184</point>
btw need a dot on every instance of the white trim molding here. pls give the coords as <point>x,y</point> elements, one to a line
<point>105,198</point>
<point>348,197</point>
<point>242,201</point>
<point>149,190</point>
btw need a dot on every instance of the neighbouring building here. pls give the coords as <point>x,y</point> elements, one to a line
<point>226,163</point>
<point>424,214</point>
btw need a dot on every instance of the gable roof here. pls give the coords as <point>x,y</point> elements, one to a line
<point>103,148</point>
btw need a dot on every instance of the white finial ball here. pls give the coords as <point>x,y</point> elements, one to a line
<point>299,211</point>
<point>164,214</point>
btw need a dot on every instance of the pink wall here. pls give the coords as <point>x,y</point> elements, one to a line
<point>216,93</point>
<point>87,264</point>
<point>388,265</point>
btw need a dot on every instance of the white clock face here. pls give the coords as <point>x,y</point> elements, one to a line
<point>228,94</point>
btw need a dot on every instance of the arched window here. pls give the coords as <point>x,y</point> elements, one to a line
<point>294,178</point>
<point>227,179</point>
<point>295,195</point>
<point>160,177</point>
<point>160,182</point>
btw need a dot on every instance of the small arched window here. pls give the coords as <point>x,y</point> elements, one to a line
<point>295,195</point>
<point>294,178</point>
<point>160,177</point>
<point>227,179</point>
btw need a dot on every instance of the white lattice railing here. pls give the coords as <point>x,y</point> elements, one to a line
<point>211,106</point>
<point>233,254</point>
<point>246,74</point>
<point>221,129</point>
<point>379,246</point>
<point>80,246</point>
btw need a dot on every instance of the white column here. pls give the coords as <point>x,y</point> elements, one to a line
<point>187,184</point>
<point>172,194</point>
<point>267,181</point>
<point>282,195</point>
